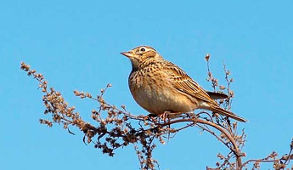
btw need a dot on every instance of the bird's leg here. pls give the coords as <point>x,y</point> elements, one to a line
<point>173,115</point>
<point>165,115</point>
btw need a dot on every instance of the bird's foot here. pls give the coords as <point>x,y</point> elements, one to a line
<point>165,116</point>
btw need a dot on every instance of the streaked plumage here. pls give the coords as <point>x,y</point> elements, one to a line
<point>158,86</point>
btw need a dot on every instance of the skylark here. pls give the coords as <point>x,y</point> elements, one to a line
<point>159,86</point>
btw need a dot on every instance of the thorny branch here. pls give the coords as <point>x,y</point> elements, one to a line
<point>116,127</point>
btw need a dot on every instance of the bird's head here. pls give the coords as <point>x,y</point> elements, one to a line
<point>141,55</point>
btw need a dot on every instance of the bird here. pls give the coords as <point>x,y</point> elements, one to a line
<point>160,86</point>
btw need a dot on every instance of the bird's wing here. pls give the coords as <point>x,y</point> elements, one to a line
<point>183,83</point>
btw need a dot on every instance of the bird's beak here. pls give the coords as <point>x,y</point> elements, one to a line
<point>127,54</point>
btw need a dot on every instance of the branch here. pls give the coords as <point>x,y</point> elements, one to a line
<point>235,148</point>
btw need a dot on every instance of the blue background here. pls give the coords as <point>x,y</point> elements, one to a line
<point>77,45</point>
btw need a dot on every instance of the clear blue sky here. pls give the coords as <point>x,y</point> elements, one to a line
<point>77,45</point>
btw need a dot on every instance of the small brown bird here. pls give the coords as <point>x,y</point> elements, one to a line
<point>158,86</point>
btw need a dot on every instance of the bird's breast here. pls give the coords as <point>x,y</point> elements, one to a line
<point>154,92</point>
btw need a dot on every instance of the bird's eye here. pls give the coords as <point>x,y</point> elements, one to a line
<point>142,49</point>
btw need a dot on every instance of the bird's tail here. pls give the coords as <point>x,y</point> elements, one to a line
<point>217,95</point>
<point>227,113</point>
